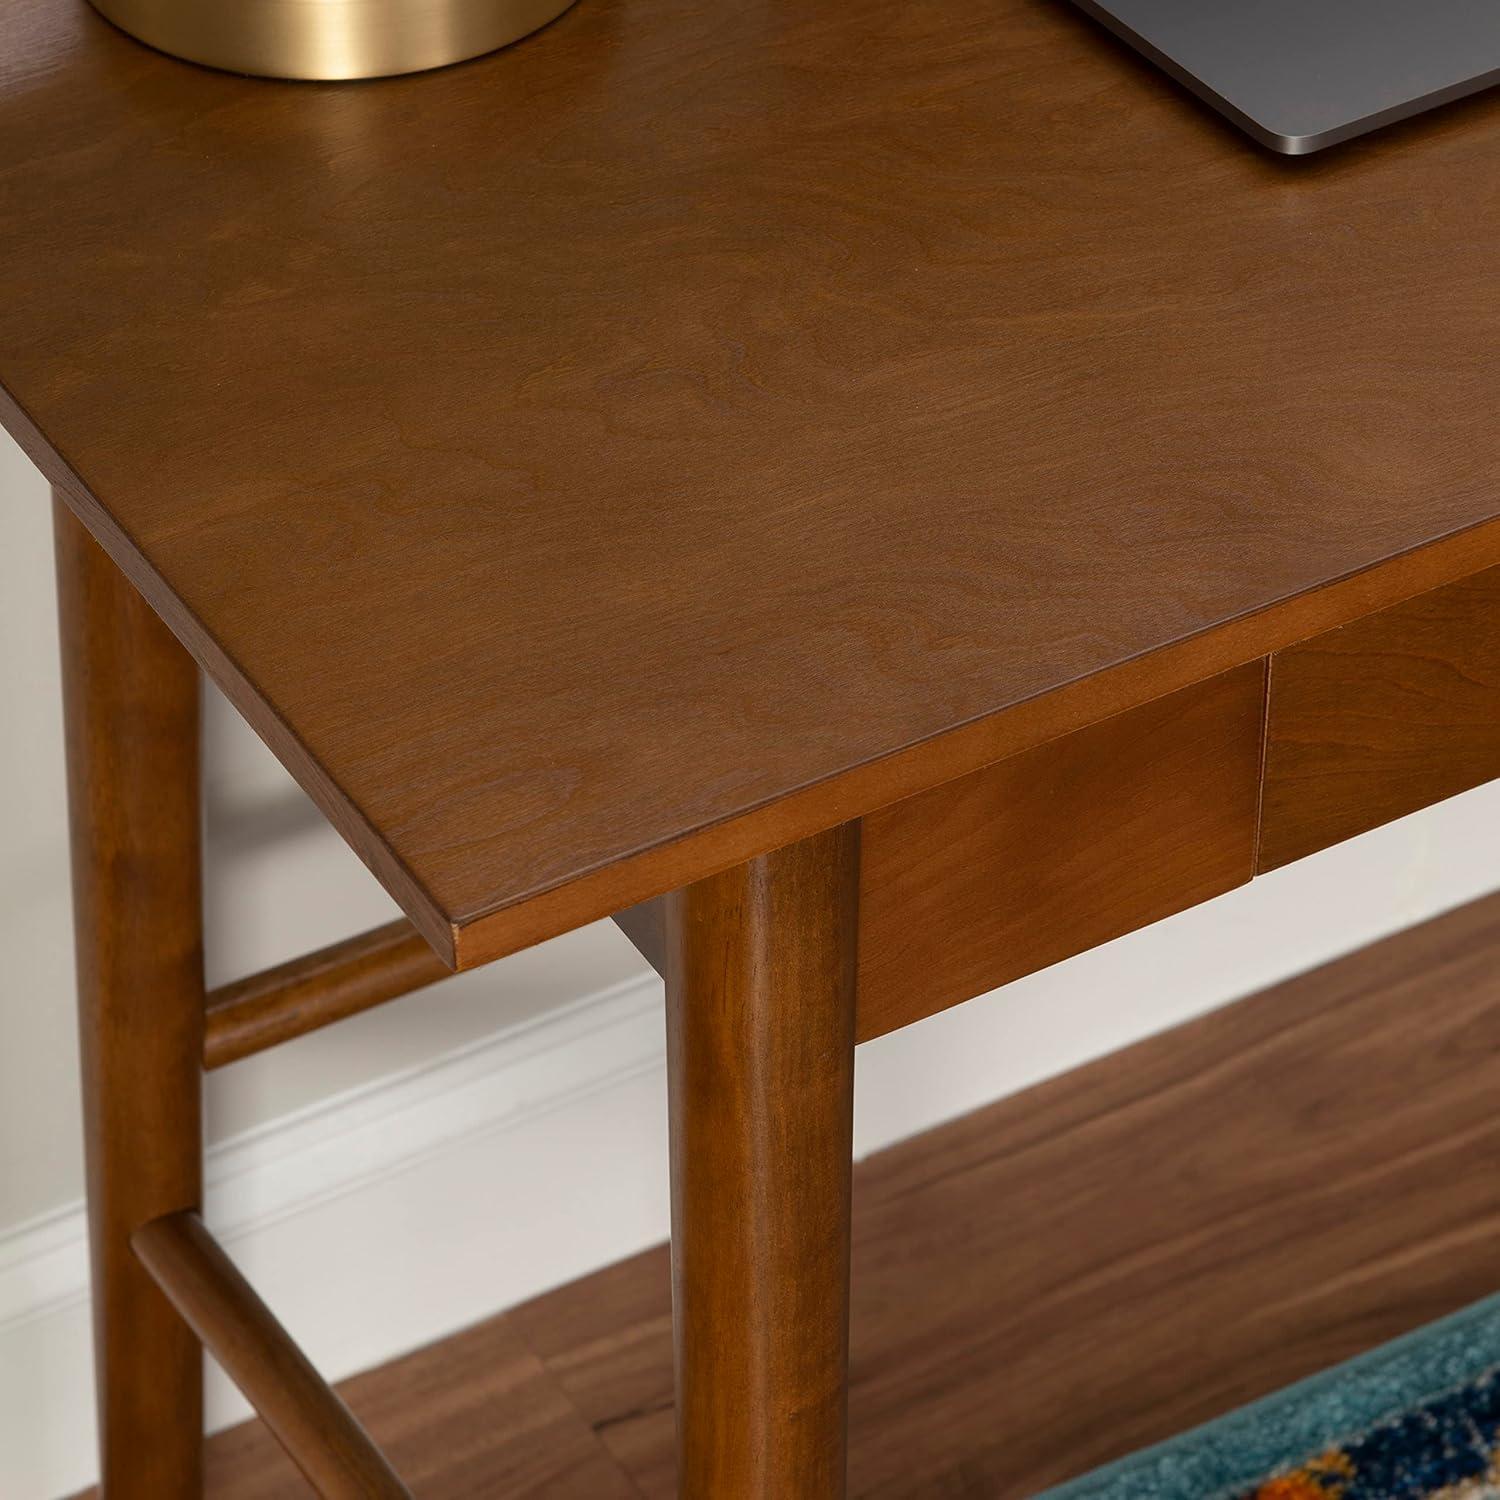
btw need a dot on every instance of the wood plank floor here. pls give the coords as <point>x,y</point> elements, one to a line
<point>1055,1280</point>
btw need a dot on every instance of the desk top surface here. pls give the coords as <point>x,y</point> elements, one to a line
<point>702,423</point>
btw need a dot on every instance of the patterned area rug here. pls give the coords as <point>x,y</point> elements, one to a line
<point>1417,1419</point>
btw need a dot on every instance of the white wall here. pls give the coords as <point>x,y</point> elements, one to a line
<point>473,1144</point>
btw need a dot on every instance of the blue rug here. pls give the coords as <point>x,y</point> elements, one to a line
<point>1416,1419</point>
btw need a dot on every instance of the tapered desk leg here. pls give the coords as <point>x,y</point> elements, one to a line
<point>131,705</point>
<point>760,1026</point>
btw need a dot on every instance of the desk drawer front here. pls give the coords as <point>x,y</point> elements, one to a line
<point>1058,849</point>
<point>1381,718</point>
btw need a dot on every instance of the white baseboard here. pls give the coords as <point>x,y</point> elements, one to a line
<point>392,1215</point>
<point>379,1220</point>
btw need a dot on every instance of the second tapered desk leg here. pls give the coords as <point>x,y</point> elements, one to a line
<point>760,1027</point>
<point>131,701</point>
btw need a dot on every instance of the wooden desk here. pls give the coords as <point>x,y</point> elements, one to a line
<point>900,483</point>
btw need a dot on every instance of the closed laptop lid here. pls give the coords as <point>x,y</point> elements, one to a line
<point>1301,74</point>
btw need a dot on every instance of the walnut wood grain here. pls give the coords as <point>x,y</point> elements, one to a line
<point>130,699</point>
<point>308,1419</point>
<point>315,990</point>
<point>473,1416</point>
<point>1323,1154</point>
<point>1381,718</point>
<point>596,465</point>
<point>1049,853</point>
<point>1057,850</point>
<point>760,1065</point>
<point>1106,1260</point>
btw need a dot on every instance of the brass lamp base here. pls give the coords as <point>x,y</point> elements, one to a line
<point>328,39</point>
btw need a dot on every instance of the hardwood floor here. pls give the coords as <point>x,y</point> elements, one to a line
<point>475,1415</point>
<point>1062,1277</point>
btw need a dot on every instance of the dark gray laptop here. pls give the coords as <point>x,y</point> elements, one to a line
<point>1299,75</point>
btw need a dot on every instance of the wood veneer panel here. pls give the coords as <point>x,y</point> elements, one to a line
<point>1057,850</point>
<point>1381,718</point>
<point>700,425</point>
<point>1138,1246</point>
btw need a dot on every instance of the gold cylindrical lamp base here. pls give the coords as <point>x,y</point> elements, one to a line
<point>329,39</point>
